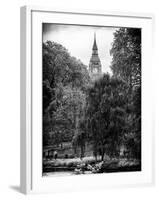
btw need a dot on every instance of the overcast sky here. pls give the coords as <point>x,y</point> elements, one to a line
<point>79,41</point>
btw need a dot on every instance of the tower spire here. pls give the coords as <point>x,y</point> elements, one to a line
<point>95,68</point>
<point>95,44</point>
<point>94,35</point>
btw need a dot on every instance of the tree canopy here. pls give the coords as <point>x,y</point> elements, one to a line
<point>65,80</point>
<point>126,52</point>
<point>106,114</point>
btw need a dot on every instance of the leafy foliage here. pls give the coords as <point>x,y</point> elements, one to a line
<point>126,52</point>
<point>126,65</point>
<point>106,114</point>
<point>65,80</point>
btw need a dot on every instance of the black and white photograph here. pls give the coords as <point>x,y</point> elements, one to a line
<point>91,99</point>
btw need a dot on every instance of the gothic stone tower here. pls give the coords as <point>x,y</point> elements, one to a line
<point>95,68</point>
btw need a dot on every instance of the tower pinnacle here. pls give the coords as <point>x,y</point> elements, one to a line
<point>95,44</point>
<point>95,70</point>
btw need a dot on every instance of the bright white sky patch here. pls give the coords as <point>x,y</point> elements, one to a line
<point>79,41</point>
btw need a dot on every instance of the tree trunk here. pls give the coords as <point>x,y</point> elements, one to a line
<point>82,150</point>
<point>102,155</point>
<point>95,153</point>
<point>75,150</point>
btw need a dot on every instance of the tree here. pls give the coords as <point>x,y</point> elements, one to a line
<point>126,65</point>
<point>136,149</point>
<point>106,113</point>
<point>60,67</point>
<point>65,81</point>
<point>126,52</point>
<point>79,139</point>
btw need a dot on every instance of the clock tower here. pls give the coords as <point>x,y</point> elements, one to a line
<point>95,68</point>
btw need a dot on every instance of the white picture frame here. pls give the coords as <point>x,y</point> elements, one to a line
<point>31,100</point>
